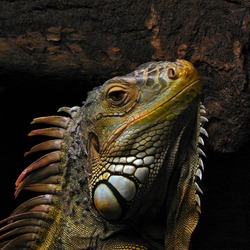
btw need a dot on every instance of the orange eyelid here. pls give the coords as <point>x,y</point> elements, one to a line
<point>115,89</point>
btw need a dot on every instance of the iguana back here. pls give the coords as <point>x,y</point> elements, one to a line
<point>121,172</point>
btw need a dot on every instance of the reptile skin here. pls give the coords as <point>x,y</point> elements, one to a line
<point>121,172</point>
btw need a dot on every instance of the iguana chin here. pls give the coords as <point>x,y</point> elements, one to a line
<point>122,171</point>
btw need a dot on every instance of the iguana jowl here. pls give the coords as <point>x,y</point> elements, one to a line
<point>122,171</point>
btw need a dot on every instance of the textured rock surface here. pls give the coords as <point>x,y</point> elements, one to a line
<point>53,52</point>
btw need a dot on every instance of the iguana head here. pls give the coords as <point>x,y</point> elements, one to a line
<point>127,127</point>
<point>130,153</point>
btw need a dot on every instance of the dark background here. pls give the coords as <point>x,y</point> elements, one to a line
<point>53,52</point>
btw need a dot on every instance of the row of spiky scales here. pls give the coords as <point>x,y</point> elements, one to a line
<point>200,168</point>
<point>186,211</point>
<point>28,225</point>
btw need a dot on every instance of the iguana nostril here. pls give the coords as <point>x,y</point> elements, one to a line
<point>172,73</point>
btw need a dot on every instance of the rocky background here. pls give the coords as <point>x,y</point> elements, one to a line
<point>53,52</point>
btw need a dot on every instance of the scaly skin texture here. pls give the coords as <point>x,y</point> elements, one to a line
<point>124,168</point>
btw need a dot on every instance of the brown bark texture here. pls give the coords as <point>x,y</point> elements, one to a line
<point>53,52</point>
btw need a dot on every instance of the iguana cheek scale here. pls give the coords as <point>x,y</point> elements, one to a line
<point>123,170</point>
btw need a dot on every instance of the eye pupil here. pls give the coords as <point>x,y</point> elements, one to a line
<point>116,95</point>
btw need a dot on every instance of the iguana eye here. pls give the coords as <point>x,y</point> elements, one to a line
<point>117,96</point>
<point>172,74</point>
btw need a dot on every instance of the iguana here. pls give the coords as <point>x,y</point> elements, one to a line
<point>121,172</point>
